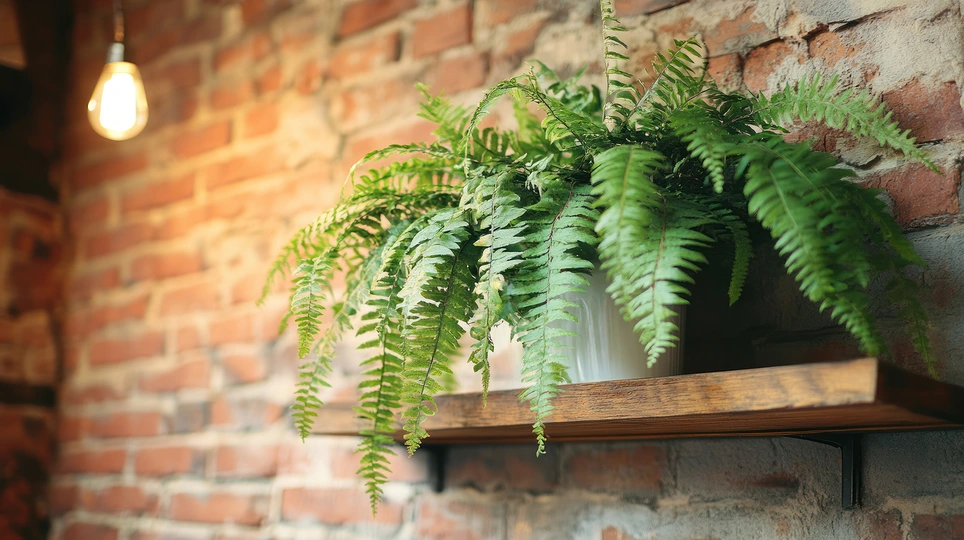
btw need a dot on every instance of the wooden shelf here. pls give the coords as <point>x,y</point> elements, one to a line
<point>854,396</point>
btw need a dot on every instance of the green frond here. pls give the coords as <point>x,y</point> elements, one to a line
<point>435,328</point>
<point>562,222</point>
<point>498,212</point>
<point>856,112</point>
<point>676,83</point>
<point>734,233</point>
<point>789,190</point>
<point>707,141</point>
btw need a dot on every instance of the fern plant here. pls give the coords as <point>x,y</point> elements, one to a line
<point>487,225</point>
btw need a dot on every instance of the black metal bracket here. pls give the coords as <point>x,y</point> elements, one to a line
<point>850,464</point>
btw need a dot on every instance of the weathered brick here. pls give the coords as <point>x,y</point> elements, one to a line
<point>62,498</point>
<point>919,192</point>
<point>206,139</point>
<point>259,11</point>
<point>92,461</point>
<point>72,428</point>
<point>269,80</point>
<point>165,265</point>
<point>308,78</point>
<point>109,169</point>
<point>191,417</point>
<point>240,414</point>
<point>625,8</point>
<point>89,214</point>
<point>931,112</point>
<point>179,75</point>
<point>190,374</point>
<point>119,239</point>
<point>365,14</point>
<point>127,424</point>
<point>243,368</point>
<point>938,527</point>
<point>94,393</point>
<point>246,461</point>
<point>235,329</point>
<point>158,194</point>
<point>358,146</point>
<point>168,460</point>
<point>82,323</point>
<point>119,500</point>
<point>261,120</point>
<point>501,468</point>
<point>231,95</point>
<point>454,75</point>
<point>190,298</point>
<point>243,167</point>
<point>438,519</point>
<point>114,351</point>
<point>760,62</point>
<point>496,12</point>
<point>362,104</point>
<point>88,531</point>
<point>832,47</point>
<point>635,469</point>
<point>614,533</point>
<point>336,506</point>
<point>147,47</point>
<point>520,43</point>
<point>726,70</point>
<point>249,510</point>
<point>352,59</point>
<point>737,35</point>
<point>83,285</point>
<point>144,18</point>
<point>186,338</point>
<point>443,31</point>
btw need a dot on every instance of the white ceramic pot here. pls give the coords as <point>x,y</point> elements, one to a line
<point>605,347</point>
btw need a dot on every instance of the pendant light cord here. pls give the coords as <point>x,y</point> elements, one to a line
<point>118,22</point>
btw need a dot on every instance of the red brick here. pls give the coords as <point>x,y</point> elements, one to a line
<point>158,194</point>
<point>612,533</point>
<point>248,510</point>
<point>938,527</point>
<point>88,531</point>
<point>72,428</point>
<point>230,95</point>
<point>246,461</point>
<point>114,351</point>
<point>142,19</point>
<point>365,14</point>
<point>726,70</point>
<point>358,146</point>
<point>335,507</point>
<point>463,73</point>
<point>249,165</point>
<point>832,47</point>
<point>244,368</point>
<point>361,105</point>
<point>404,468</point>
<point>129,424</point>
<point>160,266</point>
<point>109,169</point>
<point>737,35</point>
<point>520,43</point>
<point>192,374</point>
<point>168,460</point>
<point>495,12</point>
<point>82,323</point>
<point>118,239</point>
<point>148,47</point>
<point>119,500</point>
<point>308,79</point>
<point>244,413</point>
<point>931,112</point>
<point>625,8</point>
<point>441,519</point>
<point>261,120</point>
<point>268,81</point>
<point>89,214</point>
<point>760,62</point>
<point>92,461</point>
<point>258,11</point>
<point>62,499</point>
<point>84,285</point>
<point>236,329</point>
<point>919,192</point>
<point>352,59</point>
<point>212,137</point>
<point>95,393</point>
<point>179,75</point>
<point>188,299</point>
<point>637,468</point>
<point>187,338</point>
<point>443,31</point>
<point>230,55</point>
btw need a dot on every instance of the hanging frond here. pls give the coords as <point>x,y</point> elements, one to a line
<point>562,222</point>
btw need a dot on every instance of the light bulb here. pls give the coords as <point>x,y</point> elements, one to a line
<point>118,107</point>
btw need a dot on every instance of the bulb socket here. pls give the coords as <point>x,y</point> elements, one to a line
<point>115,53</point>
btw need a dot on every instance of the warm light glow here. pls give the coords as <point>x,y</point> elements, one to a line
<point>118,107</point>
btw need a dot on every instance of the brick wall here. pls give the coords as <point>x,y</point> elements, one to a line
<point>174,418</point>
<point>30,250</point>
